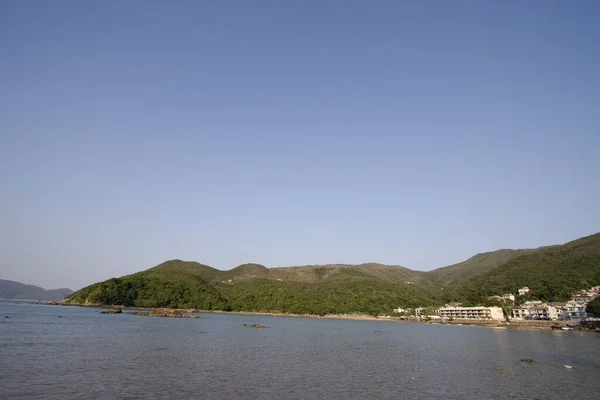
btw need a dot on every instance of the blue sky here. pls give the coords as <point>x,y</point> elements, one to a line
<point>292,133</point>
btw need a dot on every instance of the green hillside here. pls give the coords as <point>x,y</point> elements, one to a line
<point>553,273</point>
<point>474,266</point>
<point>252,287</point>
<point>344,295</point>
<point>174,284</point>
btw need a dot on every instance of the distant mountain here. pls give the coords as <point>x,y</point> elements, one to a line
<point>552,273</point>
<point>20,291</point>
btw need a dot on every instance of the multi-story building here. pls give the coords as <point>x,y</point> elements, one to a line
<point>561,310</point>
<point>575,311</point>
<point>520,313</point>
<point>477,313</point>
<point>544,312</point>
<point>536,311</point>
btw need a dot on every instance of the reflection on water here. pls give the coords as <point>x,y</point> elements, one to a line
<point>87,355</point>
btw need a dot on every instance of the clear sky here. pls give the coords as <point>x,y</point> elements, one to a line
<point>415,133</point>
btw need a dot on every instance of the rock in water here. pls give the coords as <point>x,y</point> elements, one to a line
<point>165,313</point>
<point>115,311</point>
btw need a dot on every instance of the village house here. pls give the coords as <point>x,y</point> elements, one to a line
<point>544,312</point>
<point>520,313</point>
<point>532,303</point>
<point>561,310</point>
<point>536,310</point>
<point>503,298</point>
<point>508,296</point>
<point>583,297</point>
<point>523,291</point>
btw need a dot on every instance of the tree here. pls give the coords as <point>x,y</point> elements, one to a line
<point>593,307</point>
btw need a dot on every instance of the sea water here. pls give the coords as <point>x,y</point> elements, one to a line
<point>53,352</point>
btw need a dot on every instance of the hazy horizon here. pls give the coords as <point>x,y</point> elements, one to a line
<point>292,133</point>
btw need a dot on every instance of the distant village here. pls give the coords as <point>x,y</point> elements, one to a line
<point>573,310</point>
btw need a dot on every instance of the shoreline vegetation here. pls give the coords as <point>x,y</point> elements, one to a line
<point>551,274</point>
<point>364,292</point>
<point>189,313</point>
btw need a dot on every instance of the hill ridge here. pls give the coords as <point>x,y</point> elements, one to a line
<point>347,288</point>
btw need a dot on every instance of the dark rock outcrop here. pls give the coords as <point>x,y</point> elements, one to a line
<point>116,311</point>
<point>165,313</point>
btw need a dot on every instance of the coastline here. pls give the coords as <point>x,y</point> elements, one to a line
<point>531,325</point>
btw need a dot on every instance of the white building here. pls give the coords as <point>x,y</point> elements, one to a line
<point>399,310</point>
<point>523,291</point>
<point>561,310</point>
<point>575,311</point>
<point>477,313</point>
<point>545,312</point>
<point>508,296</point>
<point>583,297</point>
<point>536,311</point>
<point>520,313</point>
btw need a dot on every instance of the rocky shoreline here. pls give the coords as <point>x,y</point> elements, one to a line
<point>188,313</point>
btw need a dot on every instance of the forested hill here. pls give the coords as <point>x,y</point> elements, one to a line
<point>552,272</point>
<point>20,291</point>
<point>474,266</point>
<point>252,287</point>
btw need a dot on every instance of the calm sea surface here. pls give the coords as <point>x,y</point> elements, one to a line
<point>85,355</point>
